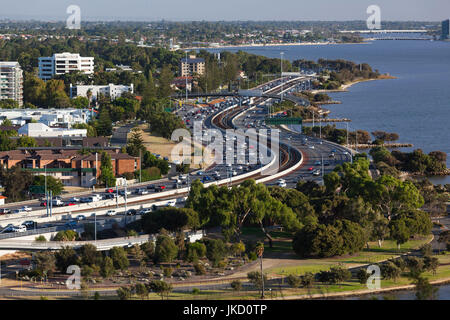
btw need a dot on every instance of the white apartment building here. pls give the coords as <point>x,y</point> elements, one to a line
<point>36,130</point>
<point>111,90</point>
<point>61,63</point>
<point>11,81</point>
<point>49,117</point>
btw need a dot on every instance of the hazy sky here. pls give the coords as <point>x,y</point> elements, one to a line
<point>179,10</point>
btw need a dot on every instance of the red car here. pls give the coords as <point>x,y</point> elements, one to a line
<point>310,169</point>
<point>110,190</point>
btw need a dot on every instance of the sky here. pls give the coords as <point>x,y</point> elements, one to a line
<point>229,10</point>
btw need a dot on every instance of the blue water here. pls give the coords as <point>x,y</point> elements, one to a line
<point>443,293</point>
<point>416,105</point>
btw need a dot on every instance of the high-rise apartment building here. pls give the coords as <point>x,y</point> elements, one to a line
<point>61,63</point>
<point>192,65</point>
<point>11,81</point>
<point>445,29</point>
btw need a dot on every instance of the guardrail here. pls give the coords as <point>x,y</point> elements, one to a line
<point>30,232</point>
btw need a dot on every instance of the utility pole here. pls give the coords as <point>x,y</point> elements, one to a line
<point>95,226</point>
<point>96,167</point>
<point>260,255</point>
<point>140,165</point>
<point>51,203</point>
<point>46,193</point>
<point>186,81</point>
<point>125,195</point>
<point>347,134</point>
<point>117,196</point>
<point>282,80</point>
<point>320,125</point>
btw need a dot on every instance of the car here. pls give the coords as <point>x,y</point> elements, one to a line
<point>200,173</point>
<point>131,212</point>
<point>19,229</point>
<point>234,173</point>
<point>333,151</point>
<point>74,199</point>
<point>107,196</point>
<point>310,168</point>
<point>331,155</point>
<point>109,190</point>
<point>67,204</point>
<point>316,172</point>
<point>282,184</point>
<point>26,208</point>
<point>4,211</point>
<point>81,217</point>
<point>111,213</point>
<point>160,188</point>
<point>17,211</point>
<point>170,203</point>
<point>122,192</point>
<point>318,163</point>
<point>29,224</point>
<point>142,191</point>
<point>151,187</point>
<point>71,224</point>
<point>145,210</point>
<point>326,163</point>
<point>311,147</point>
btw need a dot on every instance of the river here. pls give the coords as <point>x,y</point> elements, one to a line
<point>416,105</point>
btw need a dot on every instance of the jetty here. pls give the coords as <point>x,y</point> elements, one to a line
<point>386,145</point>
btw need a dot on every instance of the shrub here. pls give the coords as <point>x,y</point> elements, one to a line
<point>168,271</point>
<point>236,285</point>
<point>255,278</point>
<point>199,269</point>
<point>294,281</point>
<point>41,238</point>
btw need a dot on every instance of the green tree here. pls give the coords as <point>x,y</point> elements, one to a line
<point>53,184</point>
<point>66,257</point>
<point>216,250</point>
<point>161,288</point>
<point>166,250</point>
<point>107,267</point>
<point>104,124</point>
<point>119,258</point>
<point>107,176</point>
<point>400,232</point>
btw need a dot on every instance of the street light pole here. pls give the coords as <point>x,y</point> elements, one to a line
<point>95,227</point>
<point>282,80</point>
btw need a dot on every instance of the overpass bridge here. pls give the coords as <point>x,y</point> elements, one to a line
<point>383,31</point>
<point>101,245</point>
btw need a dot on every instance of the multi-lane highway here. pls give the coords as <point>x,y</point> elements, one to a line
<point>235,112</point>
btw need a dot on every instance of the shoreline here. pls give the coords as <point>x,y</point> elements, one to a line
<point>258,45</point>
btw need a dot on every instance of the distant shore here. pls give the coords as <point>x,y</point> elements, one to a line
<point>259,45</point>
<point>346,86</point>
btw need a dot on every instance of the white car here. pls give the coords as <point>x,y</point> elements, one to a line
<point>81,217</point>
<point>110,213</point>
<point>19,229</point>
<point>234,173</point>
<point>282,184</point>
<point>311,147</point>
<point>142,191</point>
<point>171,203</point>
<point>26,208</point>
